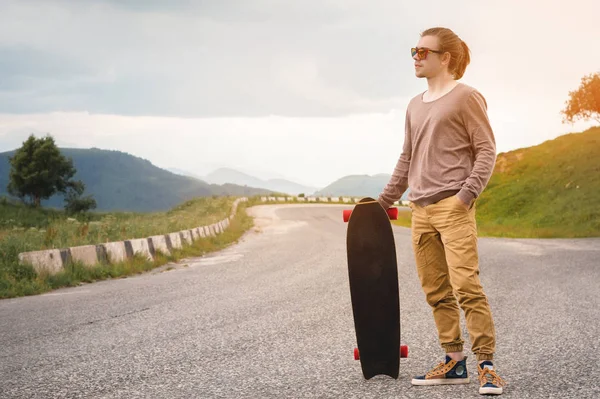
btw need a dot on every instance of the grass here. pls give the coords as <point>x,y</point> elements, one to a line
<point>551,190</point>
<point>48,228</point>
<point>404,218</point>
<point>19,280</point>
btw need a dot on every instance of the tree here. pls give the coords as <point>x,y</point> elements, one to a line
<point>584,103</point>
<point>74,202</point>
<point>39,170</point>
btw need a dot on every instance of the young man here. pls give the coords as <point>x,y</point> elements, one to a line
<point>447,160</point>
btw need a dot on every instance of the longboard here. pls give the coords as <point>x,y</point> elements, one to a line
<point>373,276</point>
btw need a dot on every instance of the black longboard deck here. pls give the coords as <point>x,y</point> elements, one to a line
<point>373,275</point>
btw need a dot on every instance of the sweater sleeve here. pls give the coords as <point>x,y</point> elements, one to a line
<point>478,126</point>
<point>398,182</point>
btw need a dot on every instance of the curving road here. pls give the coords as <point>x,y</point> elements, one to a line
<point>270,317</point>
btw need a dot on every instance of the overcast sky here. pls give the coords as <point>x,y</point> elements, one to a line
<point>310,90</point>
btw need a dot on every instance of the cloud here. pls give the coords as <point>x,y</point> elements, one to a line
<point>245,63</point>
<point>192,59</point>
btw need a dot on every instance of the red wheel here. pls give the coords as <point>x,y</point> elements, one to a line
<point>393,213</point>
<point>346,214</point>
<point>356,354</point>
<point>403,350</point>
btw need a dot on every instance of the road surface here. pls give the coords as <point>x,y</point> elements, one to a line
<point>270,317</point>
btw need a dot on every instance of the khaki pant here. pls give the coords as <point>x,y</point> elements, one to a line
<point>444,237</point>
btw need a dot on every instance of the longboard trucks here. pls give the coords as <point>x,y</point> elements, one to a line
<point>403,352</point>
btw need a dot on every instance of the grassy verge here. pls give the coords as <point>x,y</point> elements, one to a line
<point>47,229</point>
<point>20,280</point>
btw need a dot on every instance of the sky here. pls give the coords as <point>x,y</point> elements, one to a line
<point>309,90</point>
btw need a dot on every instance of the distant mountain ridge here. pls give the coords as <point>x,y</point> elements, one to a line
<point>358,185</point>
<point>351,185</point>
<point>122,182</point>
<point>228,175</point>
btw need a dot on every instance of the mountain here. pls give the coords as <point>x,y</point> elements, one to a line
<point>228,175</point>
<point>122,182</point>
<point>550,190</point>
<point>182,172</point>
<point>286,186</point>
<point>357,186</point>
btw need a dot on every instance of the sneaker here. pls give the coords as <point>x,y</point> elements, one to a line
<point>490,383</point>
<point>448,372</point>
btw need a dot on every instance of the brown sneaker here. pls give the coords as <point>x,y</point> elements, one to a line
<point>490,383</point>
<point>448,372</point>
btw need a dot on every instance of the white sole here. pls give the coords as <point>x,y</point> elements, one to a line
<point>490,391</point>
<point>441,381</point>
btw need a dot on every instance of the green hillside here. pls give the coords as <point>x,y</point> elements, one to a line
<point>549,190</point>
<point>122,182</point>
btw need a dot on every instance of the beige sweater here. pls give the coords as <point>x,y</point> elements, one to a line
<point>449,148</point>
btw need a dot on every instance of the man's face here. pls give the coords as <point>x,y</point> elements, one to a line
<point>432,64</point>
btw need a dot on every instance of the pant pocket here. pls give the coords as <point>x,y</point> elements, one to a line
<point>461,247</point>
<point>418,250</point>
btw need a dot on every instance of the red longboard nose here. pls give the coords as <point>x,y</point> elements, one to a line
<point>392,214</point>
<point>346,214</point>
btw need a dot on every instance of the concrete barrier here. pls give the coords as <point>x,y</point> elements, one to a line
<point>141,246</point>
<point>312,199</point>
<point>186,236</point>
<point>88,255</point>
<point>117,251</point>
<point>53,261</point>
<point>175,239</point>
<point>159,243</point>
<point>46,261</point>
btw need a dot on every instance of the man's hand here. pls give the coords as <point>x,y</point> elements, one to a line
<point>462,203</point>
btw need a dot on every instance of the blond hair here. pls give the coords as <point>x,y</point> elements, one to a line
<point>451,43</point>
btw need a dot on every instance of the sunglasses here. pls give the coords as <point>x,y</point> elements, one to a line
<point>423,51</point>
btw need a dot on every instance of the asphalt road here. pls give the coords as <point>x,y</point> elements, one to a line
<point>270,317</point>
